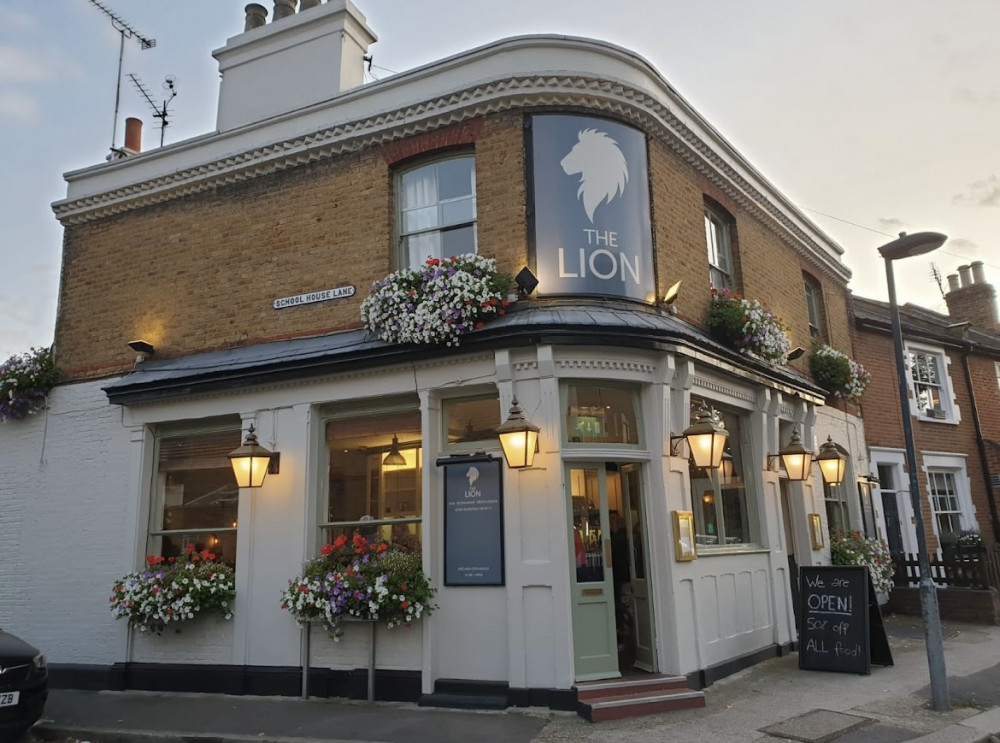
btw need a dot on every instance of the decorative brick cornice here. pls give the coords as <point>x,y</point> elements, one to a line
<point>542,91</point>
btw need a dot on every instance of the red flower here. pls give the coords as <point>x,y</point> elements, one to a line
<point>190,547</point>
<point>383,547</point>
<point>326,549</point>
<point>404,604</point>
<point>479,325</point>
<point>195,558</point>
<point>404,587</point>
<point>303,589</point>
<point>150,559</point>
<point>340,541</point>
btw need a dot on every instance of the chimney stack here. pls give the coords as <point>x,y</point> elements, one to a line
<point>256,16</point>
<point>133,135</point>
<point>305,59</point>
<point>284,8</point>
<point>975,301</point>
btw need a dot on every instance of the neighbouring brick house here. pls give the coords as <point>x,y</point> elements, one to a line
<point>241,258</point>
<point>953,364</point>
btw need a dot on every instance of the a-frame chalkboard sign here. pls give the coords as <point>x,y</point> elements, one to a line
<point>841,624</point>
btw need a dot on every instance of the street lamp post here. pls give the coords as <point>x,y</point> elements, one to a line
<point>905,247</point>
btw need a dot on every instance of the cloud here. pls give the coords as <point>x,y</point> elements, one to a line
<point>21,65</point>
<point>977,98</point>
<point>15,20</point>
<point>891,224</point>
<point>981,193</point>
<point>18,107</point>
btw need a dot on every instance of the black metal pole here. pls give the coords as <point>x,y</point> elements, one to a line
<point>928,592</point>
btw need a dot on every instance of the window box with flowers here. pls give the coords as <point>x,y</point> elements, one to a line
<point>358,580</point>
<point>854,548</point>
<point>173,590</point>
<point>749,327</point>
<point>437,303</point>
<point>838,374</point>
<point>25,382</point>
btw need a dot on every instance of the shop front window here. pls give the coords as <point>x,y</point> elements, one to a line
<point>598,414</point>
<point>724,505</point>
<point>472,420</point>
<point>374,478</point>
<point>195,496</point>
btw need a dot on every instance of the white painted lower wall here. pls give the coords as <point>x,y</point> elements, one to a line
<point>73,484</point>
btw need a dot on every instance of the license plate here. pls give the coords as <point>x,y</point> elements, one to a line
<point>9,698</point>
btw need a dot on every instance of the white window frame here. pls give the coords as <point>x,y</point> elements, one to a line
<point>718,243</point>
<point>953,464</point>
<point>814,305</point>
<point>949,411</point>
<point>404,257</point>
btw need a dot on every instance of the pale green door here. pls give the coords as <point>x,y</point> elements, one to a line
<point>595,647</point>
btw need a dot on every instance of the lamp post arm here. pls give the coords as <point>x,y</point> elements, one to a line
<point>928,592</point>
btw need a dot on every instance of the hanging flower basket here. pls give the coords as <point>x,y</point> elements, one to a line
<point>354,579</point>
<point>25,382</point>
<point>854,548</point>
<point>749,327</point>
<point>838,374</point>
<point>172,590</point>
<point>438,302</point>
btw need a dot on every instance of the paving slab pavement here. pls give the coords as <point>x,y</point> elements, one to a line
<point>767,703</point>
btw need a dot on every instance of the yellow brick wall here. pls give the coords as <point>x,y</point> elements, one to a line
<point>200,273</point>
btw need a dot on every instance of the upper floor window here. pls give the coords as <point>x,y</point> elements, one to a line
<point>718,238</point>
<point>814,305</point>
<point>931,387</point>
<point>437,210</point>
<point>195,496</point>
<point>472,420</point>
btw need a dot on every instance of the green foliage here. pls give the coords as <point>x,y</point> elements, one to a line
<point>838,374</point>
<point>25,381</point>
<point>748,327</point>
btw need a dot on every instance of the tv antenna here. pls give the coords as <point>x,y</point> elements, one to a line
<point>126,32</point>
<point>936,275</point>
<point>169,85</point>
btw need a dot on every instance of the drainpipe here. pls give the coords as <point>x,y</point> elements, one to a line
<point>983,463</point>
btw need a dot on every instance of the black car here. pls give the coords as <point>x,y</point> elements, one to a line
<point>24,686</point>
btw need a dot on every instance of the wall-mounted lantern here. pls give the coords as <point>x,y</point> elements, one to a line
<point>252,462</point>
<point>706,438</point>
<point>518,438</point>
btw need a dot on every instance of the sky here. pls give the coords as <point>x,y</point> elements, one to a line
<point>872,117</point>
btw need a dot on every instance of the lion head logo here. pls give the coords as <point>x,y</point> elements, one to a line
<point>602,168</point>
<point>472,475</point>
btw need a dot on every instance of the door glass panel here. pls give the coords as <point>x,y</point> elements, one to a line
<point>584,488</point>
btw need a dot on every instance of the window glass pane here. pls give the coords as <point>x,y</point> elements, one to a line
<point>364,490</point>
<point>587,543</point>
<point>458,242</point>
<point>837,517</point>
<point>421,247</point>
<point>719,254</point>
<point>603,415</point>
<point>723,504</point>
<point>456,177</point>
<point>418,188</point>
<point>197,495</point>
<point>885,477</point>
<point>420,219</point>
<point>472,419</point>
<point>458,211</point>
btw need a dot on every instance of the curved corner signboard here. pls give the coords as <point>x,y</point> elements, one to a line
<point>592,231</point>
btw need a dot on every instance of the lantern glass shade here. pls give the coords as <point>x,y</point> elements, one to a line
<point>832,462</point>
<point>706,438</point>
<point>796,458</point>
<point>250,462</point>
<point>518,438</point>
<point>726,467</point>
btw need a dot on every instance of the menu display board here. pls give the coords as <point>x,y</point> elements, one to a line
<point>473,521</point>
<point>834,631</point>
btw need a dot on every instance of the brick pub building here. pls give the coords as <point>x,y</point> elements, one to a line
<point>242,256</point>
